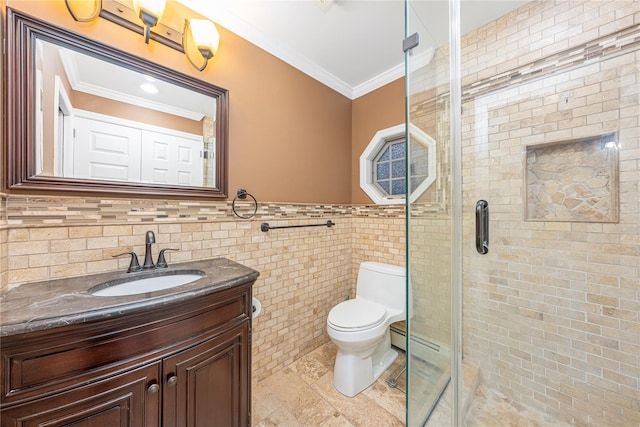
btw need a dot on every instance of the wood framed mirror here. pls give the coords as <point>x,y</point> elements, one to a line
<point>86,117</point>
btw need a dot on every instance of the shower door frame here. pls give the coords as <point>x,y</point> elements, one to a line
<point>455,198</point>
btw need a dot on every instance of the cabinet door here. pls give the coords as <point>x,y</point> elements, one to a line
<point>124,400</point>
<point>208,385</point>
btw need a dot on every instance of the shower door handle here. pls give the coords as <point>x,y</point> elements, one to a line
<point>482,227</point>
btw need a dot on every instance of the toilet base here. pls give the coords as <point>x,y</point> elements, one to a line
<point>352,374</point>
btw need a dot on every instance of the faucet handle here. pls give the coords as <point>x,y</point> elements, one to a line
<point>162,263</point>
<point>134,265</point>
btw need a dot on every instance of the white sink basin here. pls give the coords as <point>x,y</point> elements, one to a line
<point>142,285</point>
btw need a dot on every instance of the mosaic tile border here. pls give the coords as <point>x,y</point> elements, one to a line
<point>386,211</point>
<point>34,211</point>
<point>44,211</point>
<point>607,46</point>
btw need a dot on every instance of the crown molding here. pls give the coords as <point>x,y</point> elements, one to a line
<point>253,35</point>
<point>378,81</point>
<point>268,44</point>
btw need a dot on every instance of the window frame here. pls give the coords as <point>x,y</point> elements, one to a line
<point>373,151</point>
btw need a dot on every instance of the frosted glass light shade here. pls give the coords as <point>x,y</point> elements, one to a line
<point>153,8</point>
<point>150,12</point>
<point>205,36</point>
<point>84,10</point>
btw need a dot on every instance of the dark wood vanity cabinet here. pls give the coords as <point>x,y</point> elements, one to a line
<point>119,401</point>
<point>183,364</point>
<point>201,383</point>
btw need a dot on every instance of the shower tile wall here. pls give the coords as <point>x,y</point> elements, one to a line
<point>551,314</point>
<point>377,238</point>
<point>430,224</point>
<point>304,272</point>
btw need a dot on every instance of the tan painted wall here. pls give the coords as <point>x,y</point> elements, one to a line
<point>372,112</point>
<point>290,136</point>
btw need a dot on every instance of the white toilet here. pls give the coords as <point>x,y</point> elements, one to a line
<point>360,326</point>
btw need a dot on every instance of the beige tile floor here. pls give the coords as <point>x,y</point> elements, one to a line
<point>492,409</point>
<point>302,395</point>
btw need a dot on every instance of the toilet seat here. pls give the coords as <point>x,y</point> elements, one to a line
<point>356,315</point>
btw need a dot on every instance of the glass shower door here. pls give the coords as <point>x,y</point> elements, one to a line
<point>430,217</point>
<point>534,205</point>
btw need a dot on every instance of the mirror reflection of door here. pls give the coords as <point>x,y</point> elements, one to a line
<point>99,121</point>
<point>104,148</point>
<point>172,159</point>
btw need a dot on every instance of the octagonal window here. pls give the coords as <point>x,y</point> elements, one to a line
<point>383,165</point>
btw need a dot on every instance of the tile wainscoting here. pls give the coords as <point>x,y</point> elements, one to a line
<point>304,271</point>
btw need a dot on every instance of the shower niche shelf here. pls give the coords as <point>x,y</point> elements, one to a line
<point>575,180</point>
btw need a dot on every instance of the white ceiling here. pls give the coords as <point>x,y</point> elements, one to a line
<point>352,46</point>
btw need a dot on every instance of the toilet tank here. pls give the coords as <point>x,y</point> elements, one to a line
<point>382,283</point>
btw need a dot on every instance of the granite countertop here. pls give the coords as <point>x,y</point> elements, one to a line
<point>49,304</point>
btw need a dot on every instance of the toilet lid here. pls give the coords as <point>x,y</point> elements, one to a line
<point>356,314</point>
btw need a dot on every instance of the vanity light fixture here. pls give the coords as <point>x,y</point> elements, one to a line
<point>198,40</point>
<point>205,38</point>
<point>84,10</point>
<point>150,12</point>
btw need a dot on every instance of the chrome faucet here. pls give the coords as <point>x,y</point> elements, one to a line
<point>148,258</point>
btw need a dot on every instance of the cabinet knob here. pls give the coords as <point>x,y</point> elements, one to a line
<point>153,389</point>
<point>172,380</point>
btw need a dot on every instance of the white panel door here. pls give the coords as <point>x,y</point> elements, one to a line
<point>106,151</point>
<point>172,159</point>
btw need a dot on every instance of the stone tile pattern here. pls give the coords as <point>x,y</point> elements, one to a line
<point>48,211</point>
<point>430,112</point>
<point>304,271</point>
<point>608,44</point>
<point>551,314</point>
<point>302,394</point>
<point>430,269</point>
<point>430,224</point>
<point>491,408</point>
<point>572,181</point>
<point>381,239</point>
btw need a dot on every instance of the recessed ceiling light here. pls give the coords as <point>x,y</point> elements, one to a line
<point>325,5</point>
<point>149,88</point>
